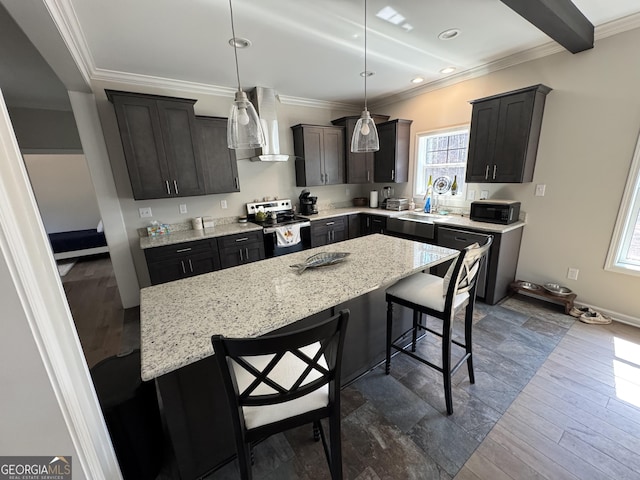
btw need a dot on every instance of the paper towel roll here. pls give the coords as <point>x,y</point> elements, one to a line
<point>373,199</point>
<point>196,223</point>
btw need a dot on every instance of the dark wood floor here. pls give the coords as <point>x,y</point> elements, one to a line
<point>553,399</point>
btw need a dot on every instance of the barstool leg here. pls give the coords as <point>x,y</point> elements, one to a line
<point>414,337</point>
<point>387,366</point>
<point>446,363</point>
<point>468,334</point>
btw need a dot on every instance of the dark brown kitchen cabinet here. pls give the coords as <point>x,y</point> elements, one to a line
<point>320,155</point>
<point>330,230</point>
<point>355,225</point>
<point>359,165</point>
<point>241,248</point>
<point>218,161</point>
<point>391,162</point>
<point>373,224</point>
<point>160,145</point>
<point>505,130</point>
<point>183,260</point>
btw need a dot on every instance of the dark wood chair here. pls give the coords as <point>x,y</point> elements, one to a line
<point>441,298</point>
<point>278,382</point>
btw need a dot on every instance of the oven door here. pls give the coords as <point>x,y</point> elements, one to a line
<point>272,249</point>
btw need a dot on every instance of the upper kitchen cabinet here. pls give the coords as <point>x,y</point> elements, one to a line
<point>391,162</point>
<point>359,165</point>
<point>160,145</point>
<point>218,161</point>
<point>319,154</point>
<point>505,130</point>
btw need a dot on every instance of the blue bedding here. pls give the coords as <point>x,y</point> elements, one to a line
<point>76,240</point>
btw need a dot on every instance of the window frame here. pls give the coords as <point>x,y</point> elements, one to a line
<point>623,230</point>
<point>439,132</point>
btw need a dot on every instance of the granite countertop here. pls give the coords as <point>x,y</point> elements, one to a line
<point>451,220</point>
<point>191,235</point>
<point>178,318</point>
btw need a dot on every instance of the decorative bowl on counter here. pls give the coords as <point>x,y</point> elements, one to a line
<point>556,289</point>
<point>360,201</point>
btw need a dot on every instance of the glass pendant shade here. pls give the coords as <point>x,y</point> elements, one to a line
<point>365,135</point>
<point>244,130</point>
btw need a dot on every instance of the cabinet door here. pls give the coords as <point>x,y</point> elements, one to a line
<point>355,225</point>
<point>203,263</point>
<point>333,155</point>
<point>482,140</point>
<point>391,162</point>
<point>218,161</point>
<point>359,165</point>
<point>177,121</point>
<point>319,233</point>
<point>308,146</point>
<point>143,146</point>
<point>167,270</point>
<point>378,224</point>
<point>241,248</point>
<point>512,137</point>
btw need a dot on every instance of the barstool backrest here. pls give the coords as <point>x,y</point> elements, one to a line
<point>465,270</point>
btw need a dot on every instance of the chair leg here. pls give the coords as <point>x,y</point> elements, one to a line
<point>245,460</point>
<point>414,336</point>
<point>336,446</point>
<point>468,327</point>
<point>387,366</point>
<point>446,363</point>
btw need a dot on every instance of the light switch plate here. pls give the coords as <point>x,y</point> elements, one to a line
<point>183,208</point>
<point>540,189</point>
<point>223,204</point>
<point>572,273</point>
<point>484,194</point>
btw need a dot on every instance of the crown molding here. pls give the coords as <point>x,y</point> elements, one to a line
<point>617,26</point>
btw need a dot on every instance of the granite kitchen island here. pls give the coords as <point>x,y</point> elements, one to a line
<point>178,319</point>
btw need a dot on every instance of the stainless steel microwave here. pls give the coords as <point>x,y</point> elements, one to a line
<point>495,211</point>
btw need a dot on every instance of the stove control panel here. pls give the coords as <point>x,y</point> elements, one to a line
<point>269,206</point>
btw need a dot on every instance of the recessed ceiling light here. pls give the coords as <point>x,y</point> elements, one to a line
<point>449,34</point>
<point>417,80</point>
<point>368,73</point>
<point>448,70</point>
<point>239,42</point>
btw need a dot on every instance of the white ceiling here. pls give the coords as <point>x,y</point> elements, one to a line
<point>310,49</point>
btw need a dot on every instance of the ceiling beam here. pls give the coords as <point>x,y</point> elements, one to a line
<point>560,19</point>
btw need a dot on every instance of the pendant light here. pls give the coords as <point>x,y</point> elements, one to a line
<point>244,130</point>
<point>365,135</point>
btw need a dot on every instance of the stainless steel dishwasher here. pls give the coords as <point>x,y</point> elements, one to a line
<point>459,239</point>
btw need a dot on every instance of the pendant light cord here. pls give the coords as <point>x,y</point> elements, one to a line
<point>235,48</point>
<point>365,54</point>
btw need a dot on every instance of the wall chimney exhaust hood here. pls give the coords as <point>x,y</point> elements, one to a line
<point>264,99</point>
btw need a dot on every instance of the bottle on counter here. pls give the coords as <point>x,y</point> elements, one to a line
<point>454,185</point>
<point>428,196</point>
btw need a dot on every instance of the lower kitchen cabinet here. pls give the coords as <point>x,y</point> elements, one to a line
<point>373,224</point>
<point>331,230</point>
<point>355,227</point>
<point>241,248</point>
<point>183,260</point>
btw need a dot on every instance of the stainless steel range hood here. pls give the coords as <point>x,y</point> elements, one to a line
<point>264,99</point>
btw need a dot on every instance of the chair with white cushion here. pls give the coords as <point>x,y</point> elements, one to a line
<point>277,382</point>
<point>438,297</point>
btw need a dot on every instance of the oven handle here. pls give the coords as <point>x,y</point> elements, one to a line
<point>273,229</point>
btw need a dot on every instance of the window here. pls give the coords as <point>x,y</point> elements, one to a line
<point>442,153</point>
<point>624,251</point>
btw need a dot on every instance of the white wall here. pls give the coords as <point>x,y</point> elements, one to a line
<point>590,127</point>
<point>64,192</point>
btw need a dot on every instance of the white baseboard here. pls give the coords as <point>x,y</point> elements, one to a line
<point>80,253</point>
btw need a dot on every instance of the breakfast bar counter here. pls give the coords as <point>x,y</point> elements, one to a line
<point>179,318</point>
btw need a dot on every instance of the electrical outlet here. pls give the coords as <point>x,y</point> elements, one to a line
<point>471,194</point>
<point>223,203</point>
<point>145,212</point>
<point>484,194</point>
<point>572,273</point>
<point>540,189</point>
<point>183,208</point>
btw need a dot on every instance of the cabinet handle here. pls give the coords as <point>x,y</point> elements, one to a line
<point>166,182</point>
<point>330,223</point>
<point>368,175</point>
<point>241,257</point>
<point>486,173</point>
<point>460,239</point>
<point>184,270</point>
<point>243,239</point>
<point>237,183</point>
<point>246,253</point>
<point>494,172</point>
<point>190,266</point>
<point>175,186</point>
<point>393,175</point>
<point>183,250</point>
<point>368,224</point>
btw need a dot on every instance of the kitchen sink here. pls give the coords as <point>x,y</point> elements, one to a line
<point>418,217</point>
<point>418,225</point>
